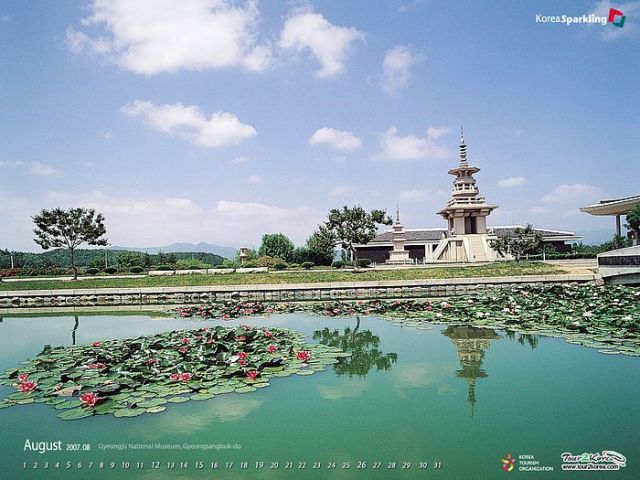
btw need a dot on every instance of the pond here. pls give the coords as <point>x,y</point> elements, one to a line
<point>446,402</point>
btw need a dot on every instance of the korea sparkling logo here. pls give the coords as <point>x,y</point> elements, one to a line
<point>616,18</point>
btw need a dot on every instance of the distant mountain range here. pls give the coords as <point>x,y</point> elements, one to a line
<point>226,252</point>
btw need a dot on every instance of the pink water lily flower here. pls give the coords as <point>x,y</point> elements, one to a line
<point>271,348</point>
<point>242,361</point>
<point>89,399</point>
<point>268,334</point>
<point>183,349</point>
<point>242,355</point>
<point>152,361</point>
<point>185,377</point>
<point>185,340</point>
<point>23,377</point>
<point>97,366</point>
<point>96,344</point>
<point>174,377</point>
<point>27,386</point>
<point>303,356</point>
<point>252,374</point>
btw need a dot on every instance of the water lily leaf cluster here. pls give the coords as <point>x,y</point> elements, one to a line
<point>131,377</point>
<point>606,317</point>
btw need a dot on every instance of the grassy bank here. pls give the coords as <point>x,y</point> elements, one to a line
<point>501,269</point>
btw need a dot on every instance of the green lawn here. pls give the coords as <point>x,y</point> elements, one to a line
<point>491,270</point>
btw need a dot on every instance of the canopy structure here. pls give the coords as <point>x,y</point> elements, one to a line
<point>614,207</point>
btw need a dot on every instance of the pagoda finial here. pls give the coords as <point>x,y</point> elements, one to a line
<point>397,213</point>
<point>463,147</point>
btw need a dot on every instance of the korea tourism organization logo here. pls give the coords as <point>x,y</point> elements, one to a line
<point>524,462</point>
<point>615,17</point>
<point>508,463</point>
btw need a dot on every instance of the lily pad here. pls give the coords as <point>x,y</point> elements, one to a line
<point>128,412</point>
<point>202,396</point>
<point>154,402</point>
<point>178,399</point>
<point>135,375</point>
<point>156,409</point>
<point>245,389</point>
<point>76,414</point>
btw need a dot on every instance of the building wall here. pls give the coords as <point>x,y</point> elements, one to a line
<point>561,247</point>
<point>380,254</point>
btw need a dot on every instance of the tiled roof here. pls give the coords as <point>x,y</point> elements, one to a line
<point>430,235</point>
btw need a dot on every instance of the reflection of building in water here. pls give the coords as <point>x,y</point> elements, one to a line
<point>471,343</point>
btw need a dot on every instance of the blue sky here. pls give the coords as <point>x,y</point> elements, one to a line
<point>205,120</point>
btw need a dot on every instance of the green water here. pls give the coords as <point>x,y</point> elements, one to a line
<point>460,396</point>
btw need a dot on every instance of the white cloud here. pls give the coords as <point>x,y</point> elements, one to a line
<point>511,182</point>
<point>573,194</point>
<point>256,209</point>
<point>338,139</point>
<point>340,190</point>
<point>239,160</point>
<point>32,168</point>
<point>219,130</point>
<point>416,195</point>
<point>175,218</point>
<point>537,210</point>
<point>328,43</point>
<point>396,69</point>
<point>411,147</point>
<point>254,179</point>
<point>169,35</point>
<point>5,18</point>
<point>610,32</point>
<point>348,388</point>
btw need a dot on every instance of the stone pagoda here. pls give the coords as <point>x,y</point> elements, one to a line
<point>398,255</point>
<point>466,214</point>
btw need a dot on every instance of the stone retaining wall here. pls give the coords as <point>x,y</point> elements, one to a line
<point>270,293</point>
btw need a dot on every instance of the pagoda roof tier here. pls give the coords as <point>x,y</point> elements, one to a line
<point>463,168</point>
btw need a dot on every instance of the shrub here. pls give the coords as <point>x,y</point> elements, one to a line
<point>9,272</point>
<point>276,245</point>
<point>279,264</point>
<point>308,265</point>
<point>301,255</point>
<point>192,264</point>
<point>92,271</point>
<point>110,270</point>
<point>136,269</point>
<point>189,267</point>
<point>337,264</point>
<point>264,261</point>
<point>294,265</point>
<point>364,262</point>
<point>251,264</point>
<point>164,267</point>
<point>130,259</point>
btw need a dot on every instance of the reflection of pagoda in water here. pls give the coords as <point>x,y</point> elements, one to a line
<point>471,343</point>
